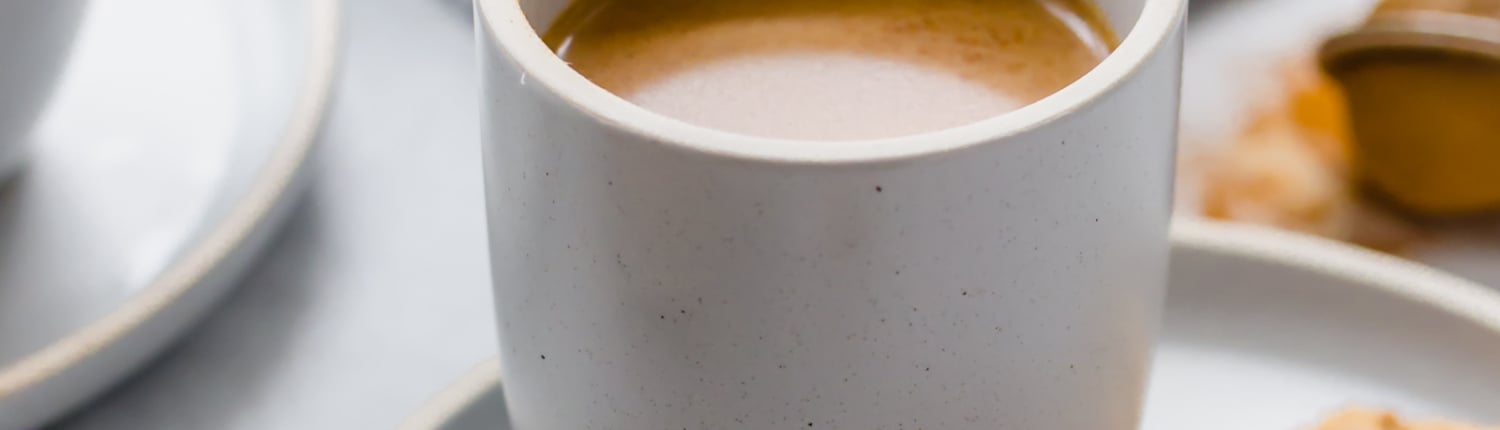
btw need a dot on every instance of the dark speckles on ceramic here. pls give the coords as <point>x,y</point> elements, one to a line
<point>1010,284</point>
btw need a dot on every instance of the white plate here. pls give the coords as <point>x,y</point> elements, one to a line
<point>1237,51</point>
<point>1236,57</point>
<point>1265,330</point>
<point>1268,330</point>
<point>171,152</point>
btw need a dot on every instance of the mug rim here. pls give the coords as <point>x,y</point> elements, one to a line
<point>505,27</point>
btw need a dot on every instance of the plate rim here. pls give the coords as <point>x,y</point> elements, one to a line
<point>455,397</point>
<point>1406,279</point>
<point>1399,277</point>
<point>188,271</point>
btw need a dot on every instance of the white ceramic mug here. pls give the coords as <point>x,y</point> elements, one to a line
<point>35,38</point>
<point>652,274</point>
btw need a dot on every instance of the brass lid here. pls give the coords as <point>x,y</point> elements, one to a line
<point>1458,26</point>
<point>1421,78</point>
<point>1483,8</point>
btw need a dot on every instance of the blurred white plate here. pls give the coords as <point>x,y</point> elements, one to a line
<point>1265,330</point>
<point>171,153</point>
<point>1238,50</point>
<point>1268,330</point>
<point>1237,55</point>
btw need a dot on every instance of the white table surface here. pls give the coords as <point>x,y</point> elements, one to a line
<point>376,296</point>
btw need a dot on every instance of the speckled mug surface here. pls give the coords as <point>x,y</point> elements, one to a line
<point>650,274</point>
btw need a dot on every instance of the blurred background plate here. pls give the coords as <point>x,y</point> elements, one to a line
<point>1241,58</point>
<point>1265,330</point>
<point>171,153</point>
<point>1268,330</point>
<point>1238,50</point>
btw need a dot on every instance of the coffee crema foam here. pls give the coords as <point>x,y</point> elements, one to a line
<point>831,69</point>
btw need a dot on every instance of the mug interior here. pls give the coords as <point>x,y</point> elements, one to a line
<point>1122,14</point>
<point>1144,25</point>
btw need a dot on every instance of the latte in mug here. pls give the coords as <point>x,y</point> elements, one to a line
<point>831,69</point>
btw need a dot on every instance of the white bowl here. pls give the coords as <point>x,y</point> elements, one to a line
<point>35,38</point>
<point>174,149</point>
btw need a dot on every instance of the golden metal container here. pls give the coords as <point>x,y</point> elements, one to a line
<point>1423,82</point>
